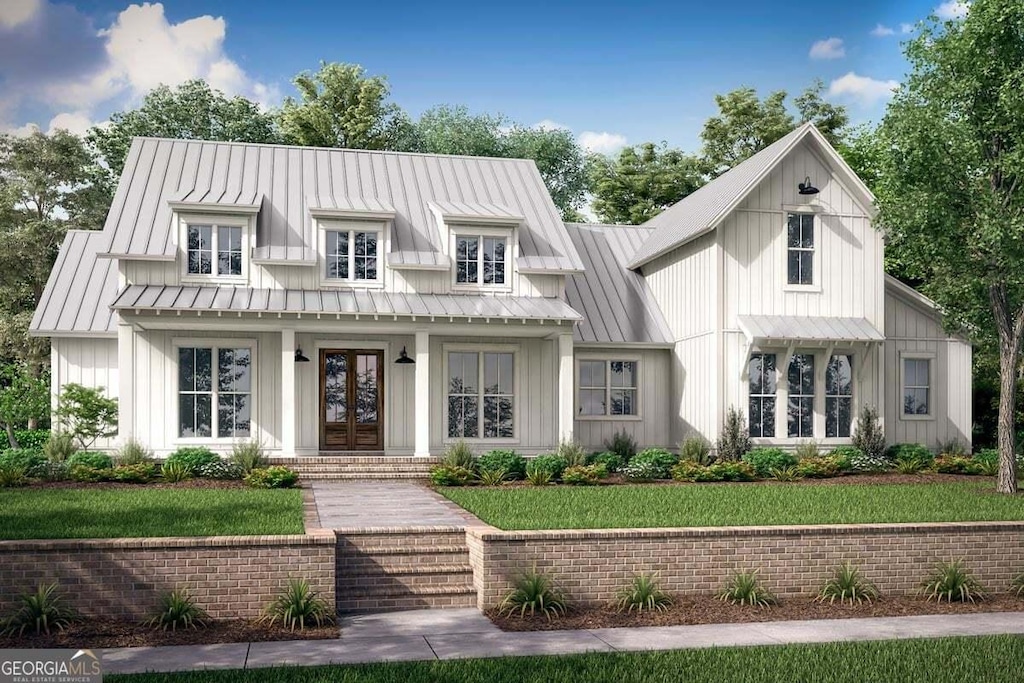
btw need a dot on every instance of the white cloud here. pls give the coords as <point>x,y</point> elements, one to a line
<point>548,124</point>
<point>602,143</point>
<point>76,122</point>
<point>862,89</point>
<point>952,9</point>
<point>830,48</point>
<point>906,28</point>
<point>881,31</point>
<point>17,12</point>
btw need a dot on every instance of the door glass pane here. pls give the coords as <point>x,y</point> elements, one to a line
<point>366,388</point>
<point>335,386</point>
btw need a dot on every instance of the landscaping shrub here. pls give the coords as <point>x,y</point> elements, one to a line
<point>31,460</point>
<point>953,446</point>
<point>11,475</point>
<point>1017,585</point>
<point>248,456</point>
<point>952,581</point>
<point>54,471</point>
<point>820,468</point>
<point>744,588</point>
<point>573,453</point>
<point>550,462</point>
<point>537,475</point>
<point>87,474</point>
<point>844,456</point>
<point>139,473</point>
<point>856,460</point>
<point>133,453</point>
<point>657,460</point>
<point>86,414</point>
<point>687,470</point>
<point>32,438</point>
<point>40,611</point>
<point>510,461</point>
<point>622,444</point>
<point>806,450</point>
<point>734,439</point>
<point>847,584</point>
<point>173,472</point>
<point>733,471</point>
<point>223,470</point>
<point>177,608</point>
<point>987,462</point>
<point>764,460</point>
<point>868,435</point>
<point>696,449</point>
<point>97,461</point>
<point>459,454</point>
<point>534,593</point>
<point>906,452</point>
<point>958,464</point>
<point>59,447</point>
<point>612,462</point>
<point>584,475</point>
<point>192,458</point>
<point>274,477</point>
<point>298,606</point>
<point>492,477</point>
<point>450,475</point>
<point>643,593</point>
<point>785,474</point>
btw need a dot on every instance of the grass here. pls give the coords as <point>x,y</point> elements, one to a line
<point>607,507</point>
<point>947,660</point>
<point>127,513</point>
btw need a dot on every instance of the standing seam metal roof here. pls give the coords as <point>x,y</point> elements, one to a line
<point>78,293</point>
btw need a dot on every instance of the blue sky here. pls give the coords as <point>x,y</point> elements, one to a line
<point>611,72</point>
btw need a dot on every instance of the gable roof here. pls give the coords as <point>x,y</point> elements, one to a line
<point>616,302</point>
<point>284,181</point>
<point>77,297</point>
<point>701,211</point>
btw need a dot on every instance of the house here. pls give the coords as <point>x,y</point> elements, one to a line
<point>328,300</point>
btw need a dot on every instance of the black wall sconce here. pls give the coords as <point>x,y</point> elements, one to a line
<point>300,357</point>
<point>404,359</point>
<point>806,188</point>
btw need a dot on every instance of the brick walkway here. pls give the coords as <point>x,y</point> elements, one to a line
<point>395,504</point>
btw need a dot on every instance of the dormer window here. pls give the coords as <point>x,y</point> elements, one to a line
<point>352,253</point>
<point>214,249</point>
<point>480,260</point>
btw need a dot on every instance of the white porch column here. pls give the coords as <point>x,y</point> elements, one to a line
<point>422,409</point>
<point>125,382</point>
<point>287,392</point>
<point>566,417</point>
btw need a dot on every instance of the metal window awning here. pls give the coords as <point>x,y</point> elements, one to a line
<point>784,330</point>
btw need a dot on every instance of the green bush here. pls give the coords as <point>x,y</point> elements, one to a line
<point>248,456</point>
<point>847,584</point>
<point>868,435</point>
<point>537,475</point>
<point>11,475</point>
<point>32,438</point>
<point>177,608</point>
<point>643,593</point>
<point>274,477</point>
<point>54,471</point>
<point>510,461</point>
<point>459,454</point>
<point>534,593</point>
<point>173,472</point>
<point>696,449</point>
<point>40,611</point>
<point>139,473</point>
<point>223,470</point>
<point>764,460</point>
<point>584,475</point>
<point>845,455</point>
<point>492,477</point>
<point>612,462</point>
<point>193,458</point>
<point>952,581</point>
<point>549,462</point>
<point>986,462</point>
<point>449,475</point>
<point>1017,585</point>
<point>658,456</point>
<point>31,459</point>
<point>820,468</point>
<point>59,447</point>
<point>86,413</point>
<point>957,464</point>
<point>733,471</point>
<point>622,444</point>
<point>786,474</point>
<point>807,449</point>
<point>97,461</point>
<point>910,451</point>
<point>298,606</point>
<point>687,470</point>
<point>573,452</point>
<point>734,439</point>
<point>744,588</point>
<point>88,474</point>
<point>952,446</point>
<point>134,453</point>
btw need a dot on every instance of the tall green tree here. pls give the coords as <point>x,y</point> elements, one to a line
<point>950,193</point>
<point>340,106</point>
<point>24,399</point>
<point>191,111</point>
<point>641,182</point>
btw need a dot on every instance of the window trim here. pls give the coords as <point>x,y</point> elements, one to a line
<point>214,221</point>
<point>481,233</point>
<point>853,392</point>
<point>931,357</point>
<point>517,396</point>
<point>816,233</point>
<point>215,343</point>
<point>774,396</point>
<point>325,225</point>
<point>608,359</point>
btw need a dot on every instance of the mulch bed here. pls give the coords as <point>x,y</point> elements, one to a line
<point>110,633</point>
<point>186,484</point>
<point>709,610</point>
<point>844,479</point>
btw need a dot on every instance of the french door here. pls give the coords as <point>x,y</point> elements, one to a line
<point>351,400</point>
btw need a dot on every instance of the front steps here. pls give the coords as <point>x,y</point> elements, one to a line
<point>385,570</point>
<point>340,467</point>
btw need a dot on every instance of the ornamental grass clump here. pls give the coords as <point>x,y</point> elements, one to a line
<point>643,593</point>
<point>459,454</point>
<point>450,475</point>
<point>492,477</point>
<point>537,475</point>
<point>60,446</point>
<point>534,593</point>
<point>744,588</point>
<point>178,609</point>
<point>1017,585</point>
<point>134,453</point>
<point>952,581</point>
<point>248,456</point>
<point>622,444</point>
<point>173,472</point>
<point>572,452</point>
<point>297,607</point>
<point>847,584</point>
<point>697,450</point>
<point>40,611</point>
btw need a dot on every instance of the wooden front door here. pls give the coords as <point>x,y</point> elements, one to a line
<point>351,400</point>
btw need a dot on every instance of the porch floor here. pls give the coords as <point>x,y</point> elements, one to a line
<point>394,504</point>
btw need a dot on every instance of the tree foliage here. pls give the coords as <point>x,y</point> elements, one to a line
<point>86,414</point>
<point>641,182</point>
<point>24,398</point>
<point>949,191</point>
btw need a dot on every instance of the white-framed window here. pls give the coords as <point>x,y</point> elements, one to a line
<point>762,400</point>
<point>481,259</point>
<point>215,390</point>
<point>917,386</point>
<point>352,255</point>
<point>800,256</point>
<point>838,396</point>
<point>608,388</point>
<point>800,408</point>
<point>214,248</point>
<point>481,394</point>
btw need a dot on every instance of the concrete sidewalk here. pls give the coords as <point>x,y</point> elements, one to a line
<point>466,633</point>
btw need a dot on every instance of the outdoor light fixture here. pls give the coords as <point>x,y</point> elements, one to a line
<point>299,357</point>
<point>806,187</point>
<point>403,358</point>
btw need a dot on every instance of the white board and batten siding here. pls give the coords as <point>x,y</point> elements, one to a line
<point>89,361</point>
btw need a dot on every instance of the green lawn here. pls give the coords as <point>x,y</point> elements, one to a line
<point>124,513</point>
<point>604,507</point>
<point>947,660</point>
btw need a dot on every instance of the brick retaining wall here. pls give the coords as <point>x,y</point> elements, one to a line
<point>592,566</point>
<point>229,576</point>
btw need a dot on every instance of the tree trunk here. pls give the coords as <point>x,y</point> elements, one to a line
<point>1009,357</point>
<point>11,438</point>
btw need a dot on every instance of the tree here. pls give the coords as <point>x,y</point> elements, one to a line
<point>641,182</point>
<point>560,161</point>
<point>24,399</point>
<point>950,193</point>
<point>191,111</point>
<point>86,414</point>
<point>340,106</point>
<point>830,119</point>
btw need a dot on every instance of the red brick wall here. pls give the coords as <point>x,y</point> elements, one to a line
<point>593,566</point>
<point>229,576</point>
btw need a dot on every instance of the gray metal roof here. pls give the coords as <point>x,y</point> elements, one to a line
<point>77,296</point>
<point>616,303</point>
<point>158,171</point>
<point>760,329</point>
<point>700,211</point>
<point>339,302</point>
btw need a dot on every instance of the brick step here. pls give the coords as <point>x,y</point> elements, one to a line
<point>388,599</point>
<point>357,459</point>
<point>356,469</point>
<point>377,544</point>
<point>403,557</point>
<point>362,475</point>
<point>366,583</point>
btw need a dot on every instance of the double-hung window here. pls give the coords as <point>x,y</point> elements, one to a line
<point>801,396</point>
<point>800,248</point>
<point>352,255</point>
<point>608,387</point>
<point>214,250</point>
<point>481,409</point>
<point>214,391</point>
<point>761,413</point>
<point>917,386</point>
<point>838,396</point>
<point>480,260</point>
